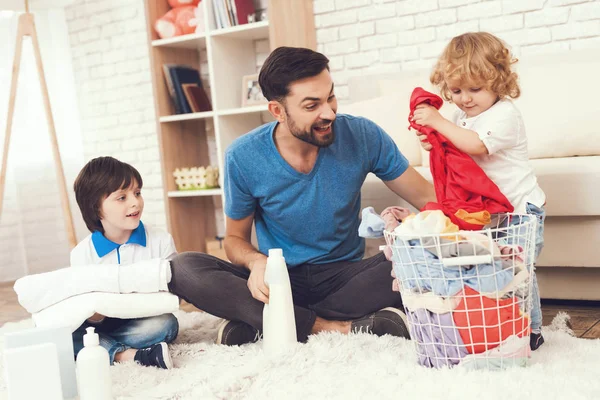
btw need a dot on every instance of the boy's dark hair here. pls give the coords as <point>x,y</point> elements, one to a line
<point>98,179</point>
<point>286,65</point>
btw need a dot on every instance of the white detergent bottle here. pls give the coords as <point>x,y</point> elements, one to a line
<point>279,324</point>
<point>93,375</point>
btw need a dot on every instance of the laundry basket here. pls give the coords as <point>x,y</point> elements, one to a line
<point>467,294</point>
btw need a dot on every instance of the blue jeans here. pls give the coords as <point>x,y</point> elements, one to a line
<point>117,335</point>
<point>536,306</point>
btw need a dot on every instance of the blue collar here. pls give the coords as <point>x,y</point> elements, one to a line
<point>104,246</point>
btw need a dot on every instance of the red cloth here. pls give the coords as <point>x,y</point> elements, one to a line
<point>483,323</point>
<point>459,182</point>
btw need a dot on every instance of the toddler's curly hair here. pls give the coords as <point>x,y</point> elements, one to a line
<point>478,58</point>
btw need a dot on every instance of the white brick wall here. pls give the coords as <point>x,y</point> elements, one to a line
<point>112,73</point>
<point>411,34</point>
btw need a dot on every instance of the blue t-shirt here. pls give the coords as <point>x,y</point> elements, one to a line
<point>313,217</point>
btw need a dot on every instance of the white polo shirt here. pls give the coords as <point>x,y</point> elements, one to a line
<point>145,243</point>
<point>502,131</point>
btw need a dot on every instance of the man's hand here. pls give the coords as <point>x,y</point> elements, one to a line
<point>240,251</point>
<point>423,140</point>
<point>256,281</point>
<point>427,115</point>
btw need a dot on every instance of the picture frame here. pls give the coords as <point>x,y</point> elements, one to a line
<point>251,92</point>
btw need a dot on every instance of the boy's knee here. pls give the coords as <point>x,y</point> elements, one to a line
<point>171,327</point>
<point>162,328</point>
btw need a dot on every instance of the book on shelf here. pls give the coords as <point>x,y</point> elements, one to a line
<point>196,97</point>
<point>178,75</point>
<point>230,13</point>
<point>243,8</point>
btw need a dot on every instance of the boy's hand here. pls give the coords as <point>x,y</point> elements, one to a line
<point>423,140</point>
<point>256,281</point>
<point>427,115</point>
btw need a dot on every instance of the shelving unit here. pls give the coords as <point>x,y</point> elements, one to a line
<point>229,54</point>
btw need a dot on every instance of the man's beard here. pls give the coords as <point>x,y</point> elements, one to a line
<point>310,136</point>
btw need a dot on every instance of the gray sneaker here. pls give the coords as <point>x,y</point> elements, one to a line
<point>387,321</point>
<point>236,333</point>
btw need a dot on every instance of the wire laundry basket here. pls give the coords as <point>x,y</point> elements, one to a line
<point>467,294</point>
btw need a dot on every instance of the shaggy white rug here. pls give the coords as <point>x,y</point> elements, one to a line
<point>334,366</point>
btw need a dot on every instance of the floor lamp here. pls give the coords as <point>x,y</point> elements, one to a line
<point>26,27</point>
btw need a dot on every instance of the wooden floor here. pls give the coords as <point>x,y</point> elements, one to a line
<point>585,316</point>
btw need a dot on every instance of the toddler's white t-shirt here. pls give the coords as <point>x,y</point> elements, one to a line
<point>502,131</point>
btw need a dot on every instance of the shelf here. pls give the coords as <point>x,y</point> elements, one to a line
<point>244,110</point>
<point>253,31</point>
<point>186,117</point>
<point>192,41</point>
<point>195,193</point>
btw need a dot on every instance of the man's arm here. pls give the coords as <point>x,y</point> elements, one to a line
<point>240,251</point>
<point>412,187</point>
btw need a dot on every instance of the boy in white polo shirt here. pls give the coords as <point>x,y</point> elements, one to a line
<point>109,196</point>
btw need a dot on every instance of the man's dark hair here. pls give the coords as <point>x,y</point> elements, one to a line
<point>97,180</point>
<point>286,65</point>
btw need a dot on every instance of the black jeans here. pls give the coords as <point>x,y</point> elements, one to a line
<point>336,291</point>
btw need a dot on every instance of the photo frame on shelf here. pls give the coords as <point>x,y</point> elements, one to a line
<point>251,92</point>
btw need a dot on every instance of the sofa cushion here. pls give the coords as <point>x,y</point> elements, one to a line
<point>559,103</point>
<point>571,184</point>
<point>570,242</point>
<point>384,112</point>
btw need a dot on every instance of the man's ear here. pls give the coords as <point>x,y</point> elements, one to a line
<point>277,110</point>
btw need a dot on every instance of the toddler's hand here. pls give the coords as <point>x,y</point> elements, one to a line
<point>427,115</point>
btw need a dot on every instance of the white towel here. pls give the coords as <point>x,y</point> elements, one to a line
<point>73,311</point>
<point>36,292</point>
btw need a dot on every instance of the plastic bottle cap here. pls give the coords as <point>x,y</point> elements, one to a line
<point>275,253</point>
<point>91,338</point>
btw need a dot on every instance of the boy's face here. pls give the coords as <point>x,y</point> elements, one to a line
<point>473,99</point>
<point>311,108</point>
<point>121,211</point>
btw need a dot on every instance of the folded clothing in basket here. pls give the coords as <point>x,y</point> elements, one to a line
<point>483,322</point>
<point>438,342</point>
<point>417,268</point>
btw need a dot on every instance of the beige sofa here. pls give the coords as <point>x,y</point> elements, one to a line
<point>560,106</point>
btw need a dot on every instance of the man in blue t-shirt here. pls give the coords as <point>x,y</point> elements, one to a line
<point>298,179</point>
